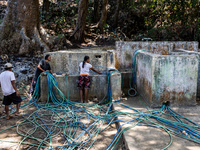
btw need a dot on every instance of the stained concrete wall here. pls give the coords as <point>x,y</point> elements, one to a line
<point>171,78</point>
<point>124,50</point>
<point>126,81</point>
<point>145,75</point>
<point>185,52</point>
<point>116,85</point>
<point>68,61</point>
<point>98,89</point>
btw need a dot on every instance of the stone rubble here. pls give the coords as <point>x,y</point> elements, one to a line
<point>24,67</point>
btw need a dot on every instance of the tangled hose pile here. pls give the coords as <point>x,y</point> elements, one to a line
<point>64,124</point>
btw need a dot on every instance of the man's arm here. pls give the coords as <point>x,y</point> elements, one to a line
<point>39,67</point>
<point>15,88</point>
<point>95,70</point>
<point>50,70</point>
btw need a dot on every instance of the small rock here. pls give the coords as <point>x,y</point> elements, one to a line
<point>16,75</point>
<point>24,71</point>
<point>30,76</point>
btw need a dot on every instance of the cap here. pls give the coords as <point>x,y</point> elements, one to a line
<point>8,65</point>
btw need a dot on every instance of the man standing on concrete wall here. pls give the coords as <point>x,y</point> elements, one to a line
<point>10,92</point>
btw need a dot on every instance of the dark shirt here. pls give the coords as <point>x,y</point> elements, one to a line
<point>44,65</point>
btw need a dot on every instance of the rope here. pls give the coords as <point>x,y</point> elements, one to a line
<point>133,78</point>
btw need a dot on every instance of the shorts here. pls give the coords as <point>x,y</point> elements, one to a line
<point>13,98</point>
<point>84,82</point>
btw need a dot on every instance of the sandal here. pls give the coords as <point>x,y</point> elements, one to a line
<point>9,117</point>
<point>18,114</point>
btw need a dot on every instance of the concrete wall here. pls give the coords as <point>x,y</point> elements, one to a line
<point>144,75</point>
<point>69,60</point>
<point>126,81</point>
<point>185,52</point>
<point>124,50</point>
<point>171,78</point>
<point>98,88</point>
<point>116,85</point>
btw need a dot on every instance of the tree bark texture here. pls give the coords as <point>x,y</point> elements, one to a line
<point>20,30</point>
<point>103,15</point>
<point>78,34</point>
<point>46,5</point>
<point>117,13</point>
<point>96,11</point>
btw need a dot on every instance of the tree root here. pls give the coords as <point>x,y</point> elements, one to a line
<point>21,31</point>
<point>28,43</point>
<point>42,44</point>
<point>25,42</point>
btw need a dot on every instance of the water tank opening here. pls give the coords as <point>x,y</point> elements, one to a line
<point>167,103</point>
<point>98,56</point>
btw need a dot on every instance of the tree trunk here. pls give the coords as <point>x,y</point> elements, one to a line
<point>20,30</point>
<point>78,34</point>
<point>124,3</point>
<point>96,11</point>
<point>103,15</point>
<point>131,2</point>
<point>117,13</point>
<point>45,6</point>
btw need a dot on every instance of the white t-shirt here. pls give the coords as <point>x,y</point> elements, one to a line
<point>86,69</point>
<point>5,80</point>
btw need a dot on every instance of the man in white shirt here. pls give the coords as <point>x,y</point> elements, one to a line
<point>10,92</point>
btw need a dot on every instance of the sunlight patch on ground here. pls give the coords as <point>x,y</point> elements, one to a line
<point>8,145</point>
<point>192,147</point>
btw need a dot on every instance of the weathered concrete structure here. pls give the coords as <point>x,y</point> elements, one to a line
<point>162,74</point>
<point>171,78</point>
<point>185,52</point>
<point>124,50</point>
<point>68,61</point>
<point>168,71</point>
<point>99,86</point>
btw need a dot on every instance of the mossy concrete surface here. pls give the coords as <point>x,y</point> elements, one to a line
<point>98,90</point>
<point>67,62</point>
<point>162,78</point>
<point>124,50</point>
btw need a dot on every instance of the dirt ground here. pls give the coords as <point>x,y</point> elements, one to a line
<point>13,137</point>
